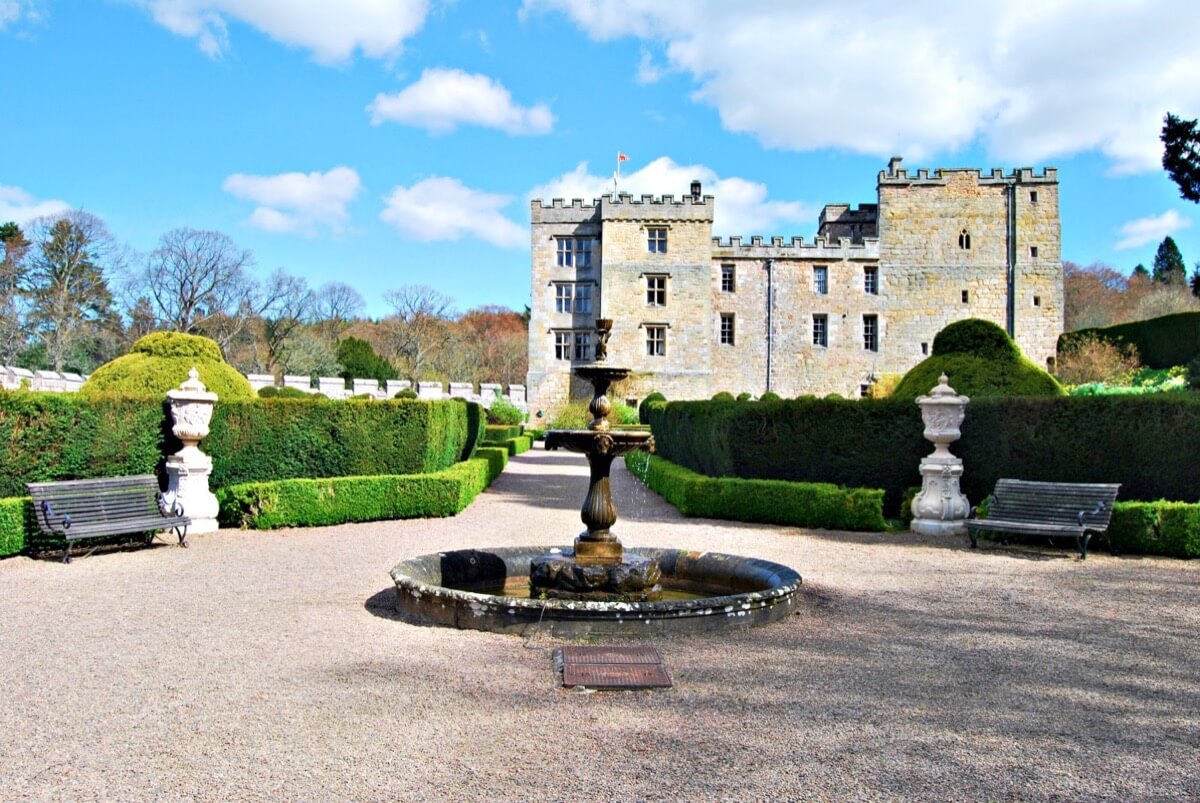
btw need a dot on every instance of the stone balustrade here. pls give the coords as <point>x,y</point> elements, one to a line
<point>12,378</point>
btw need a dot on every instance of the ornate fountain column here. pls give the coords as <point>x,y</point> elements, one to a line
<point>188,469</point>
<point>940,508</point>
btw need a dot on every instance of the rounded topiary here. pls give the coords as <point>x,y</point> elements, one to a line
<point>976,337</point>
<point>283,393</point>
<point>644,408</point>
<point>160,362</point>
<point>724,395</point>
<point>996,369</point>
<point>405,393</point>
<point>745,396</point>
<point>770,395</point>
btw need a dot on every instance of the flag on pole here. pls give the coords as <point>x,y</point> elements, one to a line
<point>617,173</point>
<point>621,157</point>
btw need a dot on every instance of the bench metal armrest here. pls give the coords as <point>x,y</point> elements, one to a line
<point>1096,511</point>
<point>48,512</point>
<point>175,508</point>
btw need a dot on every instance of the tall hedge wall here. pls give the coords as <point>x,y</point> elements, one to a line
<point>47,436</point>
<point>1161,342</point>
<point>1147,443</point>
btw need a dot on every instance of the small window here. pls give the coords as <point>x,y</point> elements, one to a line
<point>583,345</point>
<point>562,297</point>
<point>562,345</point>
<point>583,253</point>
<point>574,252</point>
<point>656,341</point>
<point>821,280</point>
<point>726,338</point>
<point>728,279</point>
<point>964,240</point>
<point>1033,251</point>
<point>871,280</point>
<point>1037,301</point>
<point>864,391</point>
<point>925,348</point>
<point>871,332</point>
<point>656,240</point>
<point>966,296</point>
<point>820,330</point>
<point>656,291</point>
<point>1033,196</point>
<point>583,298</point>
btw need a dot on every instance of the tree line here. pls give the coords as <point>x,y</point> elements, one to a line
<point>1100,295</point>
<point>72,297</point>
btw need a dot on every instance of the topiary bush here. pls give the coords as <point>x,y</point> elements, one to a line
<point>770,395</point>
<point>503,411</point>
<point>644,409</point>
<point>976,337</point>
<point>723,395</point>
<point>272,392</point>
<point>745,396</point>
<point>160,361</point>
<point>405,393</point>
<point>981,361</point>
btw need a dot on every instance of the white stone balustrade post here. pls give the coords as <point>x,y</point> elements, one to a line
<point>189,468</point>
<point>941,508</point>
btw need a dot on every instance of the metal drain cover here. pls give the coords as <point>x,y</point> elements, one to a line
<point>612,667</point>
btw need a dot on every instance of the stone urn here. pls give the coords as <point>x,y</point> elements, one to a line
<point>941,508</point>
<point>189,468</point>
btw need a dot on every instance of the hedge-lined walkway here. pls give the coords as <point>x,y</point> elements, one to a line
<point>267,665</point>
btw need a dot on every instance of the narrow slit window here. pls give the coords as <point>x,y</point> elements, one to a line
<point>1037,301</point>
<point>1033,196</point>
<point>925,348</point>
<point>966,296</point>
<point>726,337</point>
<point>1033,251</point>
<point>871,332</point>
<point>964,240</point>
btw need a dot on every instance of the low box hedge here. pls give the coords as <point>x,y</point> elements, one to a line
<point>797,504</point>
<point>1155,528</point>
<point>337,500</point>
<point>14,513</point>
<point>499,433</point>
<point>496,457</point>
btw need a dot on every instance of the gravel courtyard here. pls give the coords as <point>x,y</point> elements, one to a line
<point>267,666</point>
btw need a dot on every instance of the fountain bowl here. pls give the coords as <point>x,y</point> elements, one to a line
<point>464,589</point>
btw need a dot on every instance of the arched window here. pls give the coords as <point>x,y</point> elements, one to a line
<point>964,240</point>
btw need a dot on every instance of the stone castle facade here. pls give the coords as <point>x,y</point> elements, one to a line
<point>694,314</point>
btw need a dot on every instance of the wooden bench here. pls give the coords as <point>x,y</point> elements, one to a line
<point>78,509</point>
<point>1051,509</point>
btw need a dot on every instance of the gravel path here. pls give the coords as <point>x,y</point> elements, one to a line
<point>266,666</point>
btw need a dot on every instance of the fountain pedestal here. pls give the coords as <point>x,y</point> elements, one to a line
<point>598,568</point>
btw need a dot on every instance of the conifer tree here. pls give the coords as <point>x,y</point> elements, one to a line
<point>1181,155</point>
<point>1168,263</point>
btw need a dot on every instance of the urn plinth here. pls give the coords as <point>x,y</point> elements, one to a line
<point>941,508</point>
<point>189,468</point>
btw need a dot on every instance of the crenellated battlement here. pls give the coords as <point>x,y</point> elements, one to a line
<point>896,175</point>
<point>843,248</point>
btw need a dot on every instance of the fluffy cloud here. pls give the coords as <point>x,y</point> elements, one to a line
<point>1147,230</point>
<point>297,202</point>
<point>742,205</point>
<point>441,208</point>
<point>20,207</point>
<point>444,99</point>
<point>332,29</point>
<point>1030,80</point>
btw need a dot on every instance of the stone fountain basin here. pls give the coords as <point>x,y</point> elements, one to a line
<point>740,592</point>
<point>613,442</point>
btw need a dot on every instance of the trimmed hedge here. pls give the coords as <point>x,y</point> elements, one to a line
<point>57,436</point>
<point>14,514</point>
<point>496,457</point>
<point>337,500</point>
<point>1162,342</point>
<point>499,433</point>
<point>1147,443</point>
<point>797,504</point>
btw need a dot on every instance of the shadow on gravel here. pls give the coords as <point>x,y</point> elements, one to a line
<point>383,605</point>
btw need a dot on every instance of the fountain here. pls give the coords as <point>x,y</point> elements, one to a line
<point>598,586</point>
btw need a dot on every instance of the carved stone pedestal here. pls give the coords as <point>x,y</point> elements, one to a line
<point>189,468</point>
<point>941,508</point>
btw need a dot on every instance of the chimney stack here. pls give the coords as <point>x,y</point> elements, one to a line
<point>695,189</point>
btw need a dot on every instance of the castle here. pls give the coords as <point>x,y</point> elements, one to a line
<point>694,314</point>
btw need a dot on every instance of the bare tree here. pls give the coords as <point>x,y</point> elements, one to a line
<point>285,303</point>
<point>335,304</point>
<point>68,291</point>
<point>195,277</point>
<point>419,328</point>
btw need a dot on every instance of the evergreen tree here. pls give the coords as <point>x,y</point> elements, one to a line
<point>359,361</point>
<point>1181,155</point>
<point>1196,280</point>
<point>1168,263</point>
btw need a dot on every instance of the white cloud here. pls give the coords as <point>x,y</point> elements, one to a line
<point>332,29</point>
<point>297,203</point>
<point>1146,230</point>
<point>742,206</point>
<point>444,99</point>
<point>648,72</point>
<point>1028,79</point>
<point>441,208</point>
<point>20,207</point>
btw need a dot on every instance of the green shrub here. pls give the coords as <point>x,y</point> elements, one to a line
<point>496,457</point>
<point>644,407</point>
<point>976,337</point>
<point>770,396</point>
<point>519,444</point>
<point>723,395</point>
<point>1161,342</point>
<point>622,414</point>
<point>1193,374</point>
<point>1155,528</point>
<point>499,433</point>
<point>160,362</point>
<point>405,393</point>
<point>797,504</point>
<point>15,513</point>
<point>503,411</point>
<point>572,415</point>
<point>272,392</point>
<point>337,500</point>
<point>359,361</point>
<point>1147,443</point>
<point>745,396</point>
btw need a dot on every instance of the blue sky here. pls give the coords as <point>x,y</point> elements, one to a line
<point>391,142</point>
